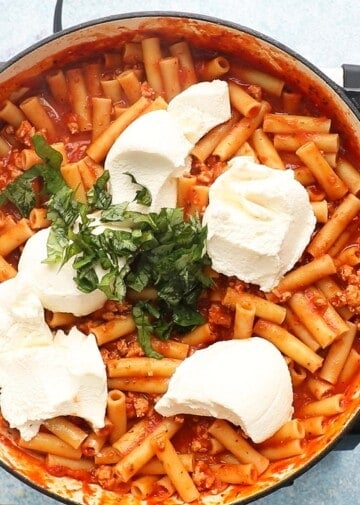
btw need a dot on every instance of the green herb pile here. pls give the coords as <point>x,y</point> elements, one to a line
<point>134,250</point>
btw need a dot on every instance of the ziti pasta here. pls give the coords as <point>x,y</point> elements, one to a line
<point>56,142</point>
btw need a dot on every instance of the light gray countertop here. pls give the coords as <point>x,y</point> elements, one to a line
<point>326,32</point>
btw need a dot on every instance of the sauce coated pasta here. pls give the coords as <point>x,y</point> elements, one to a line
<point>311,316</point>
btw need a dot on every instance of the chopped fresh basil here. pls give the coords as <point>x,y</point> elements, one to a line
<point>21,193</point>
<point>120,249</point>
<point>143,195</point>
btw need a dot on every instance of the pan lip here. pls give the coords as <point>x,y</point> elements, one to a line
<point>339,90</point>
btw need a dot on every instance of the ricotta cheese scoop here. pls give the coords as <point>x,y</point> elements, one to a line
<point>66,377</point>
<point>246,382</point>
<point>155,147</point>
<point>54,284</point>
<point>259,222</point>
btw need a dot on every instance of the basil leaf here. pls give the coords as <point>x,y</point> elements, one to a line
<point>98,197</point>
<point>141,313</point>
<point>143,195</point>
<point>20,192</point>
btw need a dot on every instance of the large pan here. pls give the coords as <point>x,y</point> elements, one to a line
<point>273,57</point>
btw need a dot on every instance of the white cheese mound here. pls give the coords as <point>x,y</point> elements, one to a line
<point>55,285</point>
<point>154,150</point>
<point>259,222</point>
<point>22,322</point>
<point>246,382</point>
<point>67,377</point>
<point>200,108</point>
<point>155,147</point>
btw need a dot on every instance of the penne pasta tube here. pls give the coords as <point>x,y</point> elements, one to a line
<point>142,367</point>
<point>326,142</point>
<point>318,388</point>
<point>142,487</point>
<point>98,149</point>
<point>240,133</point>
<point>131,463</point>
<point>132,53</point>
<point>325,325</point>
<point>58,86</point>
<point>325,407</point>
<point>92,77</point>
<point>187,70</point>
<point>291,101</point>
<point>116,328</point>
<point>244,319</point>
<point>291,430</point>
<point>288,123</point>
<point>265,150</point>
<point>66,431</point>
<point>263,308</point>
<point>163,488</point>
<point>237,445</point>
<point>337,355</point>
<point>333,186</point>
<point>174,468</point>
<point>349,174</point>
<point>130,85</point>
<point>296,327</point>
<point>155,466</point>
<point>214,68</point>
<point>58,319</point>
<point>352,365</point>
<point>285,450</point>
<point>314,426</point>
<point>38,218</point>
<point>116,413</point>
<point>7,271</point>
<point>306,275</point>
<point>331,289</point>
<point>169,70</point>
<point>15,236</point>
<point>101,115</point>
<point>151,56</point>
<point>72,177</point>
<point>269,83</point>
<point>233,473</point>
<point>111,89</point>
<point>35,111</point>
<point>288,344</point>
<point>207,144</point>
<point>107,456</point>
<point>79,98</point>
<point>321,211</point>
<point>170,348</point>
<point>50,444</point>
<point>83,464</point>
<point>200,335</point>
<point>330,232</point>
<point>153,385</point>
<point>242,101</point>
<point>11,113</point>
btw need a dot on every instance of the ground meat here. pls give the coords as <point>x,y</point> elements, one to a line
<point>138,405</point>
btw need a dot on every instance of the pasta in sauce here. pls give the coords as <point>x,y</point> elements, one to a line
<point>311,316</point>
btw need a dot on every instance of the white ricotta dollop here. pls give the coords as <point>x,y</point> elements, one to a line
<point>246,382</point>
<point>22,322</point>
<point>200,108</point>
<point>67,377</point>
<point>55,285</point>
<point>155,147</point>
<point>154,150</point>
<point>259,222</point>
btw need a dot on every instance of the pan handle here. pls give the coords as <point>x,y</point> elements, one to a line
<point>352,83</point>
<point>57,22</point>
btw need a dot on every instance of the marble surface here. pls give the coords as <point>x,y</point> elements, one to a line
<point>326,32</point>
